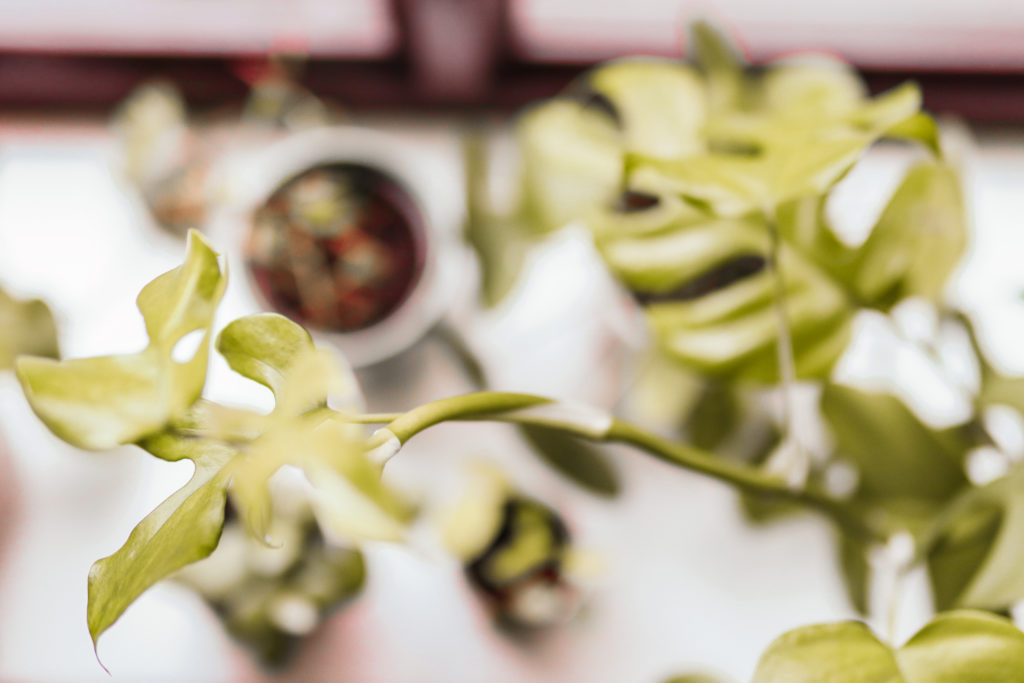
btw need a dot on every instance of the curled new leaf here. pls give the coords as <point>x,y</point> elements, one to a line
<point>102,402</point>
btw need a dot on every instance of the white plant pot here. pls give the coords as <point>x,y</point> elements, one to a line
<point>426,180</point>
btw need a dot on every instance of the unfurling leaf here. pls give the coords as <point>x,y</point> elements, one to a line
<point>956,647</point>
<point>99,403</point>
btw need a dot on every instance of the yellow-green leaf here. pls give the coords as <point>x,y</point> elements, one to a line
<point>964,647</point>
<point>181,530</point>
<point>571,161</point>
<point>899,459</point>
<point>106,401</point>
<point>659,104</point>
<point>956,647</point>
<point>918,240</point>
<point>26,327</point>
<point>846,652</point>
<point>977,560</point>
<point>264,347</point>
<point>709,295</point>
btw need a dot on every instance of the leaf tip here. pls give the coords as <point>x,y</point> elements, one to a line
<point>96,652</point>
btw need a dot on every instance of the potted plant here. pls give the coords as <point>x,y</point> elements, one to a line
<point>705,192</point>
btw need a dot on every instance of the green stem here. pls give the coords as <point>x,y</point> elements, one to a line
<point>369,418</point>
<point>474,406</point>
<point>791,460</point>
<point>752,480</point>
<point>503,407</point>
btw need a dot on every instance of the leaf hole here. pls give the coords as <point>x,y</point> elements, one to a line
<point>631,201</point>
<point>717,278</point>
<point>593,100</point>
<point>185,349</point>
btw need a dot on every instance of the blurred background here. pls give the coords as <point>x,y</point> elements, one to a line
<point>95,196</point>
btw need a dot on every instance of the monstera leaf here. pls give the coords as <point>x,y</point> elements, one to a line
<point>956,647</point>
<point>709,293</point>
<point>236,452</point>
<point>102,402</point>
<point>705,190</point>
<point>759,161</point>
<point>709,290</point>
<point>152,399</point>
<point>28,328</point>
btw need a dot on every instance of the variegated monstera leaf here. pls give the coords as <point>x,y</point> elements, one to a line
<point>152,399</point>
<point>701,184</point>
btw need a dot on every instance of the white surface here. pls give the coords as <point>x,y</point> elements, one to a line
<point>685,583</point>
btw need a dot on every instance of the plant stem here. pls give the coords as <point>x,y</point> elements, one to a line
<point>369,418</point>
<point>527,409</point>
<point>791,459</point>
